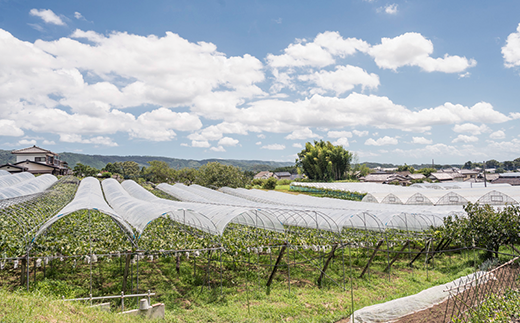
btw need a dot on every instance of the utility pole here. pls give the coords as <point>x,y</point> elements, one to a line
<point>484,169</point>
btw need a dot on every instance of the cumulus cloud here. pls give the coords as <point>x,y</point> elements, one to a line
<point>497,135</point>
<point>200,143</point>
<point>421,141</point>
<point>228,141</point>
<point>471,128</point>
<point>297,145</point>
<point>339,134</point>
<point>78,15</point>
<point>391,9</point>
<point>318,53</point>
<point>343,79</point>
<point>274,147</point>
<point>301,134</point>
<point>358,133</point>
<point>218,149</point>
<point>465,139</point>
<point>49,142</point>
<point>333,112</point>
<point>342,141</point>
<point>511,50</point>
<point>26,142</point>
<point>48,16</point>
<point>383,141</point>
<point>413,49</point>
<point>99,140</point>
<point>9,128</point>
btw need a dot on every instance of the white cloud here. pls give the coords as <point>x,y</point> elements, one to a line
<point>200,144</point>
<point>383,141</point>
<point>26,142</point>
<point>274,147</point>
<point>258,143</point>
<point>218,149</point>
<point>318,53</point>
<point>413,49</point>
<point>465,139</point>
<point>343,141</point>
<point>99,140</point>
<point>421,141</point>
<point>343,79</point>
<point>471,128</point>
<point>78,15</point>
<point>511,50</point>
<point>360,133</point>
<point>228,141</point>
<point>301,134</point>
<point>261,136</point>
<point>9,128</point>
<point>158,125</point>
<point>48,16</point>
<point>391,9</point>
<point>49,142</point>
<point>357,110</point>
<point>297,145</point>
<point>339,134</point>
<point>497,135</point>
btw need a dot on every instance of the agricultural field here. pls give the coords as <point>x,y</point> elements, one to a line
<point>245,274</point>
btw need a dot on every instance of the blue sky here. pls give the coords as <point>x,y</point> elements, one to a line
<point>392,81</point>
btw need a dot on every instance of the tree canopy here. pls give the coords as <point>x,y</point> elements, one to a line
<point>324,161</point>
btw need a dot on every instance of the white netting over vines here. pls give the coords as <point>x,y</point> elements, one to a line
<point>353,214</point>
<point>88,197</point>
<point>9,180</point>
<point>4,173</point>
<point>28,187</point>
<point>287,215</point>
<point>219,216</point>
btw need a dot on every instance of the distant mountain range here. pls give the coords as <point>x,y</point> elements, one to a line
<point>99,161</point>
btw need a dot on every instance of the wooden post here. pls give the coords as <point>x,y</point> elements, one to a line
<point>280,255</point>
<point>331,255</point>
<point>371,258</point>
<point>419,254</point>
<point>22,269</point>
<point>395,258</point>
<point>441,245</point>
<point>125,274</point>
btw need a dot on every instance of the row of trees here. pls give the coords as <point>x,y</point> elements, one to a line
<point>320,161</point>
<point>210,175</point>
<point>508,165</point>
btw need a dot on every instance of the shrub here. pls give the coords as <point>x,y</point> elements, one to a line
<point>270,183</point>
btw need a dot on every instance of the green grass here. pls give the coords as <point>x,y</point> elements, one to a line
<point>244,297</point>
<point>19,307</point>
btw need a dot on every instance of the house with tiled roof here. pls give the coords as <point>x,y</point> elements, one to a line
<point>37,160</point>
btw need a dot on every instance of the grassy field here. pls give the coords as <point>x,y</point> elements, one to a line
<point>196,294</point>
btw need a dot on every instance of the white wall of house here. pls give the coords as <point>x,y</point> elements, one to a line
<point>35,168</point>
<point>31,157</point>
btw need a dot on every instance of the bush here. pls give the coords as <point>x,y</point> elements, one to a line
<point>284,182</point>
<point>258,182</point>
<point>270,183</point>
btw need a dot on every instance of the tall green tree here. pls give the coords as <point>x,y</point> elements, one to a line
<point>159,172</point>
<point>324,161</point>
<point>218,175</point>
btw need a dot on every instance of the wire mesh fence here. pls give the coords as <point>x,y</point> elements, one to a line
<point>468,295</point>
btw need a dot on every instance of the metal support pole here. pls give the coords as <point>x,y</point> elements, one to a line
<point>275,268</point>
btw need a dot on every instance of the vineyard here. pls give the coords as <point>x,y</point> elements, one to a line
<point>193,244</point>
